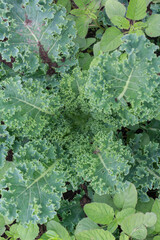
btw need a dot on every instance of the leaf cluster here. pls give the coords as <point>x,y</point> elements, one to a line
<point>70,118</point>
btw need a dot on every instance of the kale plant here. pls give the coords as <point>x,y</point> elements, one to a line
<point>61,125</point>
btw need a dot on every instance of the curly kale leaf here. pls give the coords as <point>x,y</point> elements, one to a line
<point>145,171</point>
<point>122,92</point>
<point>6,142</point>
<point>25,106</point>
<point>32,191</point>
<point>103,162</point>
<point>36,33</point>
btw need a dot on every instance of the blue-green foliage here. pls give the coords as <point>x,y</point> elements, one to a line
<point>71,127</point>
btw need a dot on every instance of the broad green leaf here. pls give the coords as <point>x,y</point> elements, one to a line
<point>127,198</point>
<point>111,39</point>
<point>96,49</point>
<point>148,2</point>
<point>99,212</point>
<point>84,43</point>
<point>95,234</point>
<point>123,237</point>
<point>71,213</point>
<point>65,3</point>
<point>112,226</point>
<point>136,9</point>
<point>114,8</point>
<point>28,233</point>
<point>124,213</point>
<point>82,3</point>
<point>108,199</point>
<point>72,238</point>
<point>156,238</point>
<point>85,224</point>
<point>140,25</point>
<point>138,32</point>
<point>89,42</point>
<point>150,219</point>
<point>153,29</point>
<point>120,22</point>
<point>156,210</point>
<point>58,229</point>
<point>82,25</point>
<point>78,12</point>
<point>145,206</point>
<point>84,60</point>
<point>50,235</point>
<point>133,226</point>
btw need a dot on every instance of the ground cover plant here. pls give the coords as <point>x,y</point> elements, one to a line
<point>80,119</point>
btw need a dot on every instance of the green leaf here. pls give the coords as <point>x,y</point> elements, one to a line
<point>96,49</point>
<point>50,235</point>
<point>145,206</point>
<point>108,199</point>
<point>23,106</point>
<point>94,235</point>
<point>99,212</point>
<point>124,213</point>
<point>148,2</point>
<point>111,39</point>
<point>85,224</point>
<point>140,25</point>
<point>28,233</point>
<point>123,237</point>
<point>133,226</point>
<point>127,198</point>
<point>121,84</point>
<point>5,168</point>
<point>2,225</point>
<point>153,29</point>
<point>108,166</point>
<point>71,213</point>
<point>114,8</point>
<point>112,226</point>
<point>82,25</point>
<point>138,32</point>
<point>156,238</point>
<point>82,3</point>
<point>6,142</point>
<point>65,3</point>
<point>136,9</point>
<point>156,210</point>
<point>150,219</point>
<point>89,42</point>
<point>85,60</point>
<point>28,198</point>
<point>41,34</point>
<point>58,229</point>
<point>120,22</point>
<point>13,232</point>
<point>78,12</point>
